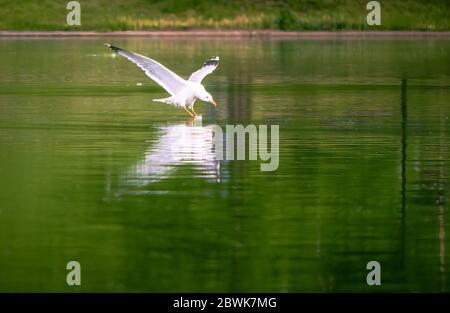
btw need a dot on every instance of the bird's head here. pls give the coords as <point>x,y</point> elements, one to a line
<point>206,96</point>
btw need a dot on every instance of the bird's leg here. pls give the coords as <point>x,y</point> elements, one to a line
<point>191,109</point>
<point>189,112</point>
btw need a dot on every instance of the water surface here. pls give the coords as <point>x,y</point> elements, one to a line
<point>363,172</point>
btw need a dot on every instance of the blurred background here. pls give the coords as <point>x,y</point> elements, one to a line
<point>113,15</point>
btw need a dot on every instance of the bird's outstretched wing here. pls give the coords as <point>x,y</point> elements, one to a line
<point>156,71</point>
<point>207,68</point>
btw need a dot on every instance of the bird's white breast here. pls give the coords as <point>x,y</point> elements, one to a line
<point>188,94</point>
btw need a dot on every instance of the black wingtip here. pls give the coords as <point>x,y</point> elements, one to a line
<point>115,49</point>
<point>214,61</point>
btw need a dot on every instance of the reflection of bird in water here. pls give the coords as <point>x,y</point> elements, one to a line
<point>179,144</point>
<point>183,92</point>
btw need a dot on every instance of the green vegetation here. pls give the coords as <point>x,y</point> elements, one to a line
<point>113,15</point>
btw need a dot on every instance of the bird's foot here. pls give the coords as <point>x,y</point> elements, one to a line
<point>189,112</point>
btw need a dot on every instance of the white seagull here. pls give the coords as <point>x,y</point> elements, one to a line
<point>183,92</point>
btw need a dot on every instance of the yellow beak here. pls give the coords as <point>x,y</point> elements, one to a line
<point>213,103</point>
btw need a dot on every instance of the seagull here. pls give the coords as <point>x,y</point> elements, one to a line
<point>183,93</point>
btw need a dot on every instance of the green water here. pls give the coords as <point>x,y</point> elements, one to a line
<point>363,170</point>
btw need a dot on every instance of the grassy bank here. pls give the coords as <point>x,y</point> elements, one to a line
<point>113,15</point>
